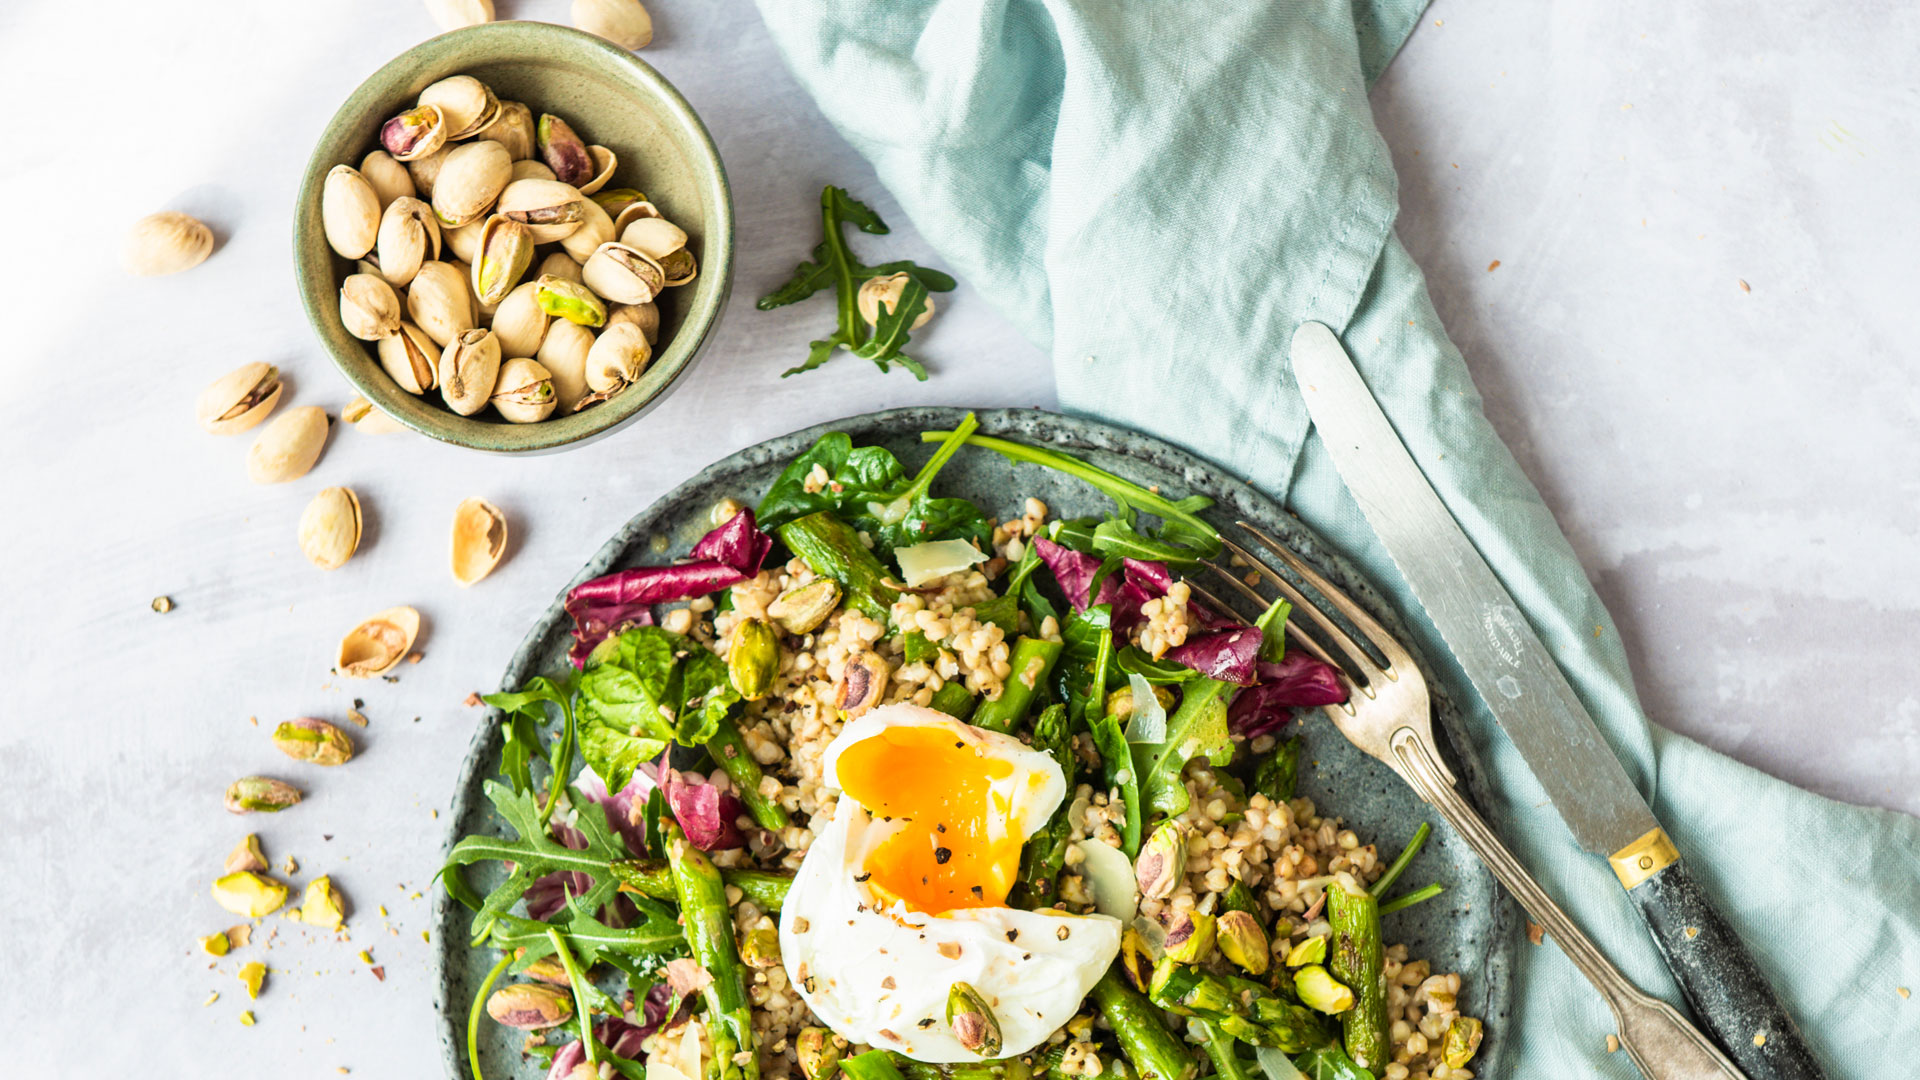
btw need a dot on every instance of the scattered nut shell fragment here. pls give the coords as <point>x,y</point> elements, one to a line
<point>239,399</point>
<point>379,643</point>
<point>166,243</point>
<point>623,22</point>
<point>288,447</point>
<point>479,539</point>
<point>454,14</point>
<point>246,855</point>
<point>330,528</point>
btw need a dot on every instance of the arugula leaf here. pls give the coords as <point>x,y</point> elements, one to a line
<point>1330,1062</point>
<point>1116,757</point>
<point>1133,660</point>
<point>533,855</point>
<point>832,264</point>
<point>1198,726</point>
<point>656,936</point>
<point>1272,625</point>
<point>645,689</point>
<point>526,710</point>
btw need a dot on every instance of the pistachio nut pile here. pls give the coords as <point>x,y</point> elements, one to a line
<point>493,266</point>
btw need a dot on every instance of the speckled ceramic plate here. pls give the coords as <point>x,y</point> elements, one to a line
<point>1468,930</point>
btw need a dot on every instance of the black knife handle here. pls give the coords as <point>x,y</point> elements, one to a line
<point>1723,986</point>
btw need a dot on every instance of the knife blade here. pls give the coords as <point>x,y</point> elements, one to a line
<point>1531,700</point>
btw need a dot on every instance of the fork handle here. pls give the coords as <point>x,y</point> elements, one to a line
<point>1661,1042</point>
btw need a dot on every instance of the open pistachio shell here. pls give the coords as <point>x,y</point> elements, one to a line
<point>531,169</point>
<point>506,249</point>
<point>239,399</point>
<point>425,169</point>
<point>614,200</point>
<point>524,392</point>
<point>596,228</point>
<point>364,417</point>
<point>414,134</point>
<point>409,237</point>
<point>349,212</point>
<point>558,264</point>
<point>605,162</point>
<point>389,177</point>
<point>645,316</point>
<point>469,366</point>
<point>378,643</point>
<point>513,129</point>
<point>409,358</point>
<point>570,300</point>
<point>440,302</point>
<point>563,151</point>
<point>330,528</point>
<point>552,208</point>
<point>617,358</point>
<point>886,290</point>
<point>368,307</point>
<point>467,103</point>
<point>470,180</point>
<point>623,274</point>
<point>564,355</point>
<point>632,212</point>
<point>519,323</point>
<point>479,539</point>
<point>663,242</point>
<point>288,447</point>
<point>623,22</point>
<point>166,243</point>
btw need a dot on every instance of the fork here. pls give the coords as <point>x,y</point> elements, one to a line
<point>1387,715</point>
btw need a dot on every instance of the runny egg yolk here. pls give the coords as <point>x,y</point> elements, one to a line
<point>954,847</point>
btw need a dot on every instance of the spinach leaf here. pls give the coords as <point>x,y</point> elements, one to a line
<point>855,477</point>
<point>645,689</point>
<point>908,515</point>
<point>1133,660</point>
<point>1198,726</point>
<point>1116,538</point>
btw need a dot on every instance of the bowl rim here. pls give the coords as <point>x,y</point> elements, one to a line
<point>658,95</point>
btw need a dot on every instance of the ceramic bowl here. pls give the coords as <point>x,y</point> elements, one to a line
<point>612,98</point>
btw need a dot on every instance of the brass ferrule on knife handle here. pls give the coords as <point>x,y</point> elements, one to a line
<point>1658,1039</point>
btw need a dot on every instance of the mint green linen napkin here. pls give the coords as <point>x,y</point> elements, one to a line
<point>1160,192</point>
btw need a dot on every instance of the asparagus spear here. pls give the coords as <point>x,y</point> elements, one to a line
<point>992,1069</point>
<point>651,877</point>
<point>1155,1052</point>
<point>730,750</point>
<point>708,923</point>
<point>1275,777</point>
<point>872,1065</point>
<point>1220,1048</point>
<point>833,550</point>
<point>1355,958</point>
<point>1046,851</point>
<point>1031,659</point>
<point>954,699</point>
<point>1242,1008</point>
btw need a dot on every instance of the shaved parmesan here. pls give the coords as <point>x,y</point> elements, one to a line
<point>935,559</point>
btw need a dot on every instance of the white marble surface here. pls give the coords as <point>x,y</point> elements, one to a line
<point>1738,470</point>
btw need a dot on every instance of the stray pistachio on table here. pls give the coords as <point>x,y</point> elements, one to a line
<point>246,855</point>
<point>216,944</point>
<point>530,1006</point>
<point>253,975</point>
<point>330,528</point>
<point>623,22</point>
<point>249,894</point>
<point>260,794</point>
<point>313,741</point>
<point>286,448</point>
<point>322,905</point>
<point>166,243</point>
<point>239,399</point>
<point>479,539</point>
<point>972,1021</point>
<point>524,394</point>
<point>379,643</point>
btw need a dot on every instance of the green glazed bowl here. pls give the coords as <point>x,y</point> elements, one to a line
<point>611,98</point>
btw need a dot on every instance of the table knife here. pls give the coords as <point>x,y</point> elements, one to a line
<point>1530,698</point>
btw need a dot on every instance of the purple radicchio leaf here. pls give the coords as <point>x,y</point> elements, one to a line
<point>607,605</point>
<point>621,807</point>
<point>1074,571</point>
<point>1298,681</point>
<point>1226,655</point>
<point>706,813</point>
<point>548,895</point>
<point>621,1037</point>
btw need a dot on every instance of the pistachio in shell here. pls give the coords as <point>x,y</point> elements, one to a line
<point>166,243</point>
<point>631,213</point>
<point>570,300</point>
<point>558,264</point>
<point>454,14</point>
<point>479,539</point>
<point>379,643</point>
<point>368,307</point>
<point>605,162</point>
<point>364,417</point>
<point>313,741</point>
<point>469,367</point>
<point>470,180</point>
<point>563,151</point>
<point>330,528</point>
<point>623,22</point>
<point>387,175</point>
<point>665,243</point>
<point>440,302</point>
<point>506,249</point>
<point>552,208</point>
<point>464,240</point>
<point>349,212</point>
<point>513,129</point>
<point>524,392</point>
<point>409,238</point>
<point>239,399</point>
<point>425,169</point>
<point>467,104</point>
<point>519,323</point>
<point>614,200</point>
<point>414,134</point>
<point>564,354</point>
<point>288,447</point>
<point>616,360</point>
<point>886,290</point>
<point>530,169</point>
<point>596,228</point>
<point>645,316</point>
<point>409,359</point>
<point>623,274</point>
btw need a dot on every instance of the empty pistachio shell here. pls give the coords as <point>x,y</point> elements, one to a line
<point>377,644</point>
<point>506,248</point>
<point>239,399</point>
<point>623,22</point>
<point>564,355</point>
<point>388,176</point>
<point>524,392</point>
<point>645,316</point>
<point>368,307</point>
<point>409,236</point>
<point>631,213</point>
<point>440,302</point>
<point>165,243</point>
<point>570,300</point>
<point>519,323</point>
<point>330,528</point>
<point>364,417</point>
<point>552,208</point>
<point>470,180</point>
<point>623,274</point>
<point>425,169</point>
<point>467,103</point>
<point>469,367</point>
<point>419,131</point>
<point>604,162</point>
<point>663,242</point>
<point>513,129</point>
<point>596,228</point>
<point>887,290</point>
<point>479,539</point>
<point>288,447</point>
<point>349,212</point>
<point>454,14</point>
<point>563,151</point>
<point>617,358</point>
<point>409,357</point>
<point>531,169</point>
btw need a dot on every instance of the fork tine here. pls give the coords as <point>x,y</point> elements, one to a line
<point>1295,632</point>
<point>1395,653</point>
<point>1362,660</point>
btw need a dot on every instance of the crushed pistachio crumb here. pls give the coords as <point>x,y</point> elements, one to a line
<point>212,996</point>
<point>246,1018</point>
